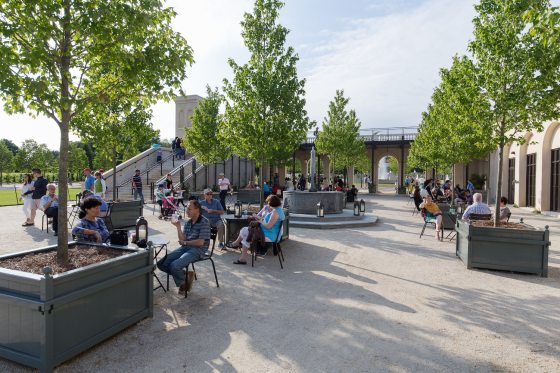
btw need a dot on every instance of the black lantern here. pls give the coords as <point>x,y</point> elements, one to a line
<point>141,232</point>
<point>320,210</point>
<point>362,206</point>
<point>356,208</point>
<point>237,209</point>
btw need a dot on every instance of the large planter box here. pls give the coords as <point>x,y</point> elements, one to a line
<point>46,320</point>
<point>518,250</point>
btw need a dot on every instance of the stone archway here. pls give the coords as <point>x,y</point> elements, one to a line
<point>520,172</point>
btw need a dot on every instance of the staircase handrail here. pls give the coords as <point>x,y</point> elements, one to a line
<point>175,170</point>
<point>132,161</point>
<point>148,169</point>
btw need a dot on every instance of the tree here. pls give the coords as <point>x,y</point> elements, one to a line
<point>60,57</point>
<point>203,139</point>
<point>340,138</point>
<point>6,159</point>
<point>33,155</point>
<point>265,108</point>
<point>119,128</point>
<point>13,147</point>
<point>77,159</point>
<point>517,72</point>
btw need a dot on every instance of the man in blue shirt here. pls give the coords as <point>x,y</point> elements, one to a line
<point>89,180</point>
<point>212,210</point>
<point>194,240</point>
<point>49,204</point>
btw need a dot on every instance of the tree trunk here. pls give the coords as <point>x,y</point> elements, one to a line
<point>64,125</point>
<point>114,174</point>
<point>499,185</point>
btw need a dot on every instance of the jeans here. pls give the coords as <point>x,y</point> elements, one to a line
<point>138,194</point>
<point>223,194</point>
<point>174,262</point>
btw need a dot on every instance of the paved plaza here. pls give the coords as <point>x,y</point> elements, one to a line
<point>375,299</point>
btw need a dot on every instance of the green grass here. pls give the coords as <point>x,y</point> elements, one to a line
<point>8,197</point>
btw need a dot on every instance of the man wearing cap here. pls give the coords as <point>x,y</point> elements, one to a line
<point>137,186</point>
<point>89,180</point>
<point>223,182</point>
<point>212,210</point>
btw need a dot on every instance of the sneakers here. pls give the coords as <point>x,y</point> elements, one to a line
<point>182,289</point>
<point>221,245</point>
<point>190,280</point>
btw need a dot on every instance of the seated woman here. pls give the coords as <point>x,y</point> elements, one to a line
<point>417,197</point>
<point>250,185</point>
<point>433,210</point>
<point>90,227</point>
<point>269,218</point>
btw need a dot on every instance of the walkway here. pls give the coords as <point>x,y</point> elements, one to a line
<point>381,301</point>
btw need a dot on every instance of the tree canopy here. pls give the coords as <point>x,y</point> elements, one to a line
<point>60,57</point>
<point>265,117</point>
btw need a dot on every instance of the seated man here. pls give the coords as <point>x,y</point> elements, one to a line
<point>478,207</point>
<point>250,185</point>
<point>49,204</point>
<point>194,240</point>
<point>212,210</point>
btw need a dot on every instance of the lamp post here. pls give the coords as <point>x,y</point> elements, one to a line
<point>356,208</point>
<point>320,210</point>
<point>362,206</point>
<point>237,209</point>
<point>141,232</point>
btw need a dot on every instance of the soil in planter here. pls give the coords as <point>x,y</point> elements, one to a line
<point>78,256</point>
<point>507,225</point>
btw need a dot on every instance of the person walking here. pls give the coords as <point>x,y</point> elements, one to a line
<point>26,197</point>
<point>137,186</point>
<point>38,190</point>
<point>224,184</point>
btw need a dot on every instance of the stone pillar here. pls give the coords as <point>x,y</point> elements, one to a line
<point>326,162</point>
<point>281,175</point>
<point>303,163</point>
<point>184,108</point>
<point>350,171</point>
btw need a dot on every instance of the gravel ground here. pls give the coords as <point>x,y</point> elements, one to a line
<point>361,300</point>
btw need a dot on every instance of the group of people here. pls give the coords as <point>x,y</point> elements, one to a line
<point>476,206</point>
<point>178,148</point>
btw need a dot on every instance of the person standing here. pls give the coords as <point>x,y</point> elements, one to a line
<point>89,180</point>
<point>224,184</point>
<point>38,190</point>
<point>49,204</point>
<point>137,186</point>
<point>26,197</point>
<point>99,185</point>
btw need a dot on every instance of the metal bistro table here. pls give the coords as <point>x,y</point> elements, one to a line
<point>234,225</point>
<point>159,243</point>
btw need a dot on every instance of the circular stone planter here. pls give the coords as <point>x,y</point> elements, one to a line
<point>299,202</point>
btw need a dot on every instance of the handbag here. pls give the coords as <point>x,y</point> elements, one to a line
<point>119,237</point>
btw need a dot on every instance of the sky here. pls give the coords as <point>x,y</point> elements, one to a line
<point>384,54</point>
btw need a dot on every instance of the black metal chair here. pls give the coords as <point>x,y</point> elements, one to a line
<point>429,219</point>
<point>48,219</point>
<point>277,249</point>
<point>75,210</point>
<point>205,257</point>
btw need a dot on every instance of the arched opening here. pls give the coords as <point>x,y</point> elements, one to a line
<point>388,170</point>
<point>550,169</point>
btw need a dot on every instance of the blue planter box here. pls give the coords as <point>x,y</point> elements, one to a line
<point>46,320</point>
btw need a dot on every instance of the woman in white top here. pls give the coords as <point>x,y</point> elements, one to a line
<point>26,194</point>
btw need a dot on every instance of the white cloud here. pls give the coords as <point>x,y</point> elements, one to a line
<point>388,65</point>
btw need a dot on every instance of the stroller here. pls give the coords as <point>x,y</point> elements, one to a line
<point>168,207</point>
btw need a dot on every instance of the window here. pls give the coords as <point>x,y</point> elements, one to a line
<point>531,179</point>
<point>511,181</point>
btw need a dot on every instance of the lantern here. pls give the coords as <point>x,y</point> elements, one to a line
<point>362,206</point>
<point>356,208</point>
<point>320,210</point>
<point>141,232</point>
<point>237,209</point>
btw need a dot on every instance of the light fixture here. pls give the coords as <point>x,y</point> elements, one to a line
<point>362,206</point>
<point>237,209</point>
<point>512,153</point>
<point>320,210</point>
<point>356,208</point>
<point>141,232</point>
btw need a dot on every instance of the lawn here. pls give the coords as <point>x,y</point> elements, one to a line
<point>8,197</point>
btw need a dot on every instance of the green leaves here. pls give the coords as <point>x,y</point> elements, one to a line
<point>203,139</point>
<point>265,117</point>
